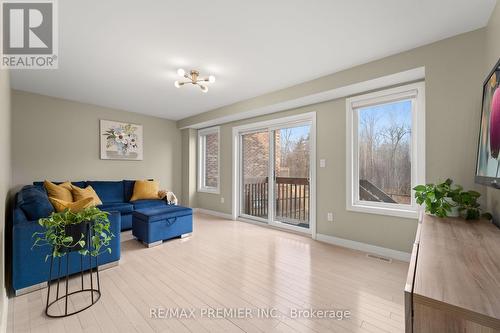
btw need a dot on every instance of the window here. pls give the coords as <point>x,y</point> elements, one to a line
<point>385,150</point>
<point>208,160</point>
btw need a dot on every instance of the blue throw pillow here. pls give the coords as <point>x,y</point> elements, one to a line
<point>108,191</point>
<point>128,189</point>
<point>34,202</point>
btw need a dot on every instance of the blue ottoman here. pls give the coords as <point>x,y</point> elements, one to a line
<point>154,225</point>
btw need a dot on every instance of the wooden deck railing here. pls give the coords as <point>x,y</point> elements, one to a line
<point>256,197</point>
<point>291,198</point>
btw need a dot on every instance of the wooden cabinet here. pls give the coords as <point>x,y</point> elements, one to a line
<point>453,282</point>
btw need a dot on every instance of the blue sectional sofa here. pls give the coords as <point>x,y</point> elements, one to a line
<point>29,267</point>
<point>115,197</point>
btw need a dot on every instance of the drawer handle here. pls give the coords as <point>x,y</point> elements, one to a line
<point>171,220</point>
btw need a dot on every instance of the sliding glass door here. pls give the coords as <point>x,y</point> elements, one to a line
<point>255,174</point>
<point>292,175</point>
<point>275,175</point>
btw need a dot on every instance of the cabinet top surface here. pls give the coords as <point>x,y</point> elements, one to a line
<point>459,264</point>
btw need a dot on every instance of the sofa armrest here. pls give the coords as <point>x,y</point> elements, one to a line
<point>19,216</point>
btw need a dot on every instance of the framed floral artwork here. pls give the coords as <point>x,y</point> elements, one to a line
<point>121,141</point>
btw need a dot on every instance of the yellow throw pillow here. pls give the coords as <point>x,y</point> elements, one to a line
<point>82,193</point>
<point>145,189</point>
<point>61,205</point>
<point>60,192</point>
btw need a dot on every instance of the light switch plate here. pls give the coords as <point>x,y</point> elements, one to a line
<point>322,163</point>
<point>329,217</point>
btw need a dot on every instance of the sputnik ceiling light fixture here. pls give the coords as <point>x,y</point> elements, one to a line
<point>193,78</point>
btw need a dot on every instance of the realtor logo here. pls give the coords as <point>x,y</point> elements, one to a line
<point>29,34</point>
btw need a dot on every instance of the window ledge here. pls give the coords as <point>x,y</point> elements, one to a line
<point>409,213</point>
<point>209,190</point>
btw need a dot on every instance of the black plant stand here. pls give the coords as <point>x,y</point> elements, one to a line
<point>95,294</point>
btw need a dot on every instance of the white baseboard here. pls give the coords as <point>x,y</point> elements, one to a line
<point>381,251</point>
<point>5,309</point>
<point>213,213</point>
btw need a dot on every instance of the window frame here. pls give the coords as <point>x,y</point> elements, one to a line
<point>415,92</point>
<point>202,133</point>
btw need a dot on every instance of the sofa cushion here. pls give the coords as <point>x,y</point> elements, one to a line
<point>140,204</point>
<point>161,213</point>
<point>34,202</point>
<point>123,208</point>
<point>126,221</point>
<point>108,191</point>
<point>128,189</point>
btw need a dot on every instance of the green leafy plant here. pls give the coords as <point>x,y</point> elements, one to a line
<point>469,207</point>
<point>440,199</point>
<point>437,197</point>
<point>60,226</point>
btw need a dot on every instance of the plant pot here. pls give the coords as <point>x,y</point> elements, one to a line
<point>76,231</point>
<point>454,209</point>
<point>454,212</point>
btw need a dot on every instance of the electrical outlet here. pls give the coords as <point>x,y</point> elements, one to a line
<point>221,199</point>
<point>329,217</point>
<point>322,163</point>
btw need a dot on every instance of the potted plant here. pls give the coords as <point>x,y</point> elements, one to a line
<point>68,231</point>
<point>438,198</point>
<point>469,207</point>
<point>446,199</point>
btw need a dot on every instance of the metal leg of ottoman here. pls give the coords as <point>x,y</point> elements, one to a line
<point>186,235</point>
<point>153,244</point>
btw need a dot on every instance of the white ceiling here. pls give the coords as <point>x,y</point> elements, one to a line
<point>124,54</point>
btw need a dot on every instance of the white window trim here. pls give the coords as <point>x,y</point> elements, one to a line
<point>201,160</point>
<point>414,90</point>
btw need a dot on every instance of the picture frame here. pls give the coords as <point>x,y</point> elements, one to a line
<point>121,141</point>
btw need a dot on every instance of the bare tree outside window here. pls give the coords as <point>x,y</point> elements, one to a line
<point>293,146</point>
<point>384,141</point>
<point>291,189</point>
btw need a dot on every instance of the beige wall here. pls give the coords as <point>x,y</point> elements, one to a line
<point>492,36</point>
<point>454,74</point>
<point>492,55</point>
<point>5,180</point>
<point>59,140</point>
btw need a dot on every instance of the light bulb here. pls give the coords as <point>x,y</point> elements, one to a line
<point>204,88</point>
<point>211,79</point>
<point>177,84</point>
<point>181,72</point>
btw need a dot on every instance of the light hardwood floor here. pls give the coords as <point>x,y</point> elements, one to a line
<point>227,264</point>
